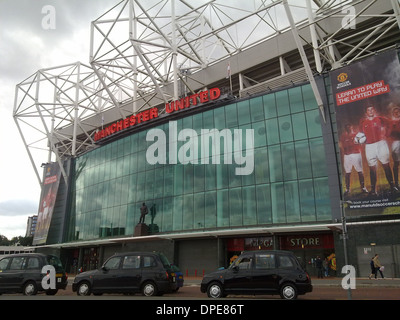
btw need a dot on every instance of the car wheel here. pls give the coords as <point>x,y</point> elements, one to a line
<point>83,289</point>
<point>215,290</point>
<point>288,291</point>
<point>30,288</point>
<point>149,289</point>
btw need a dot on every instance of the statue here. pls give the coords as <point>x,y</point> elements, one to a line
<point>143,212</point>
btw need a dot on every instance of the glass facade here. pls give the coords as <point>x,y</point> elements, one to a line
<point>288,185</point>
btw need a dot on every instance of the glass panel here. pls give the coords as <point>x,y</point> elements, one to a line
<point>307,201</point>
<point>272,131</point>
<point>249,206</point>
<point>269,106</point>
<point>299,126</point>
<point>208,120</point>
<point>275,163</point>
<point>188,181</point>
<point>322,199</point>
<point>178,179</point>
<point>177,213</point>
<point>292,201</point>
<point>188,212</point>
<point>257,109</point>
<point>222,208</point>
<point>282,102</point>
<point>199,206</point>
<point>210,209</point>
<point>231,116</point>
<point>309,98</point>
<point>285,129</point>
<point>243,109</point>
<point>264,204</point>
<point>219,118</point>
<point>261,165</point>
<point>168,204</point>
<point>278,203</point>
<point>303,159</point>
<point>198,178</point>
<point>318,157</point>
<point>288,155</point>
<point>314,123</point>
<point>260,134</point>
<point>296,100</point>
<point>235,204</point>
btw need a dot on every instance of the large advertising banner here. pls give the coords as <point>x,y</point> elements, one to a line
<point>47,201</point>
<point>367,99</point>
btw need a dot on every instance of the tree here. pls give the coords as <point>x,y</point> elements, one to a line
<point>21,241</point>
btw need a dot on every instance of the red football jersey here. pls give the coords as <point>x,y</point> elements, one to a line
<point>348,145</point>
<point>394,129</point>
<point>375,129</point>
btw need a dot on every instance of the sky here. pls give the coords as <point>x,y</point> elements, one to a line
<point>25,48</point>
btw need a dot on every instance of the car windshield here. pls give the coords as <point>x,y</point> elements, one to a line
<point>164,260</point>
<point>55,262</point>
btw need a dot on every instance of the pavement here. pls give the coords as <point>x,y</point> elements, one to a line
<point>330,282</point>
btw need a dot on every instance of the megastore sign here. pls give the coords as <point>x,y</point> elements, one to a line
<point>150,114</point>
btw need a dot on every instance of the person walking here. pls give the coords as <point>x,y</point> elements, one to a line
<point>378,266</point>
<point>318,264</point>
<point>373,270</point>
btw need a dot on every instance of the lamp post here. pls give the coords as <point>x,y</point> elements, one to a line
<point>344,235</point>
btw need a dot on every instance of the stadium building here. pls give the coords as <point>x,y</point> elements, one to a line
<point>228,122</point>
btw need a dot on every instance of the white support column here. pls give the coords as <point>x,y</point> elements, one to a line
<point>314,37</point>
<point>396,10</point>
<point>174,50</point>
<point>133,35</point>
<point>76,109</point>
<point>304,60</point>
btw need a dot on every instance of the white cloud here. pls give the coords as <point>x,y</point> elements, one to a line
<point>11,227</point>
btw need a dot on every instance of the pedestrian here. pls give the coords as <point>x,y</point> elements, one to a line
<point>378,266</point>
<point>318,264</point>
<point>373,270</point>
<point>325,264</point>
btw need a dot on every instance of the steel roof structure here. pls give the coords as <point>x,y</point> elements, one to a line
<point>147,53</point>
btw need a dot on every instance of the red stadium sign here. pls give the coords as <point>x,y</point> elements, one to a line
<point>150,114</point>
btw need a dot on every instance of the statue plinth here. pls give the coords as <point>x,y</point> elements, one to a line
<point>141,229</point>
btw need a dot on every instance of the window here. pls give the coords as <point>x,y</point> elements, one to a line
<point>113,263</point>
<point>4,264</point>
<point>286,262</point>
<point>243,263</point>
<point>149,261</point>
<point>265,261</point>
<point>131,262</point>
<point>18,263</point>
<point>33,263</point>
